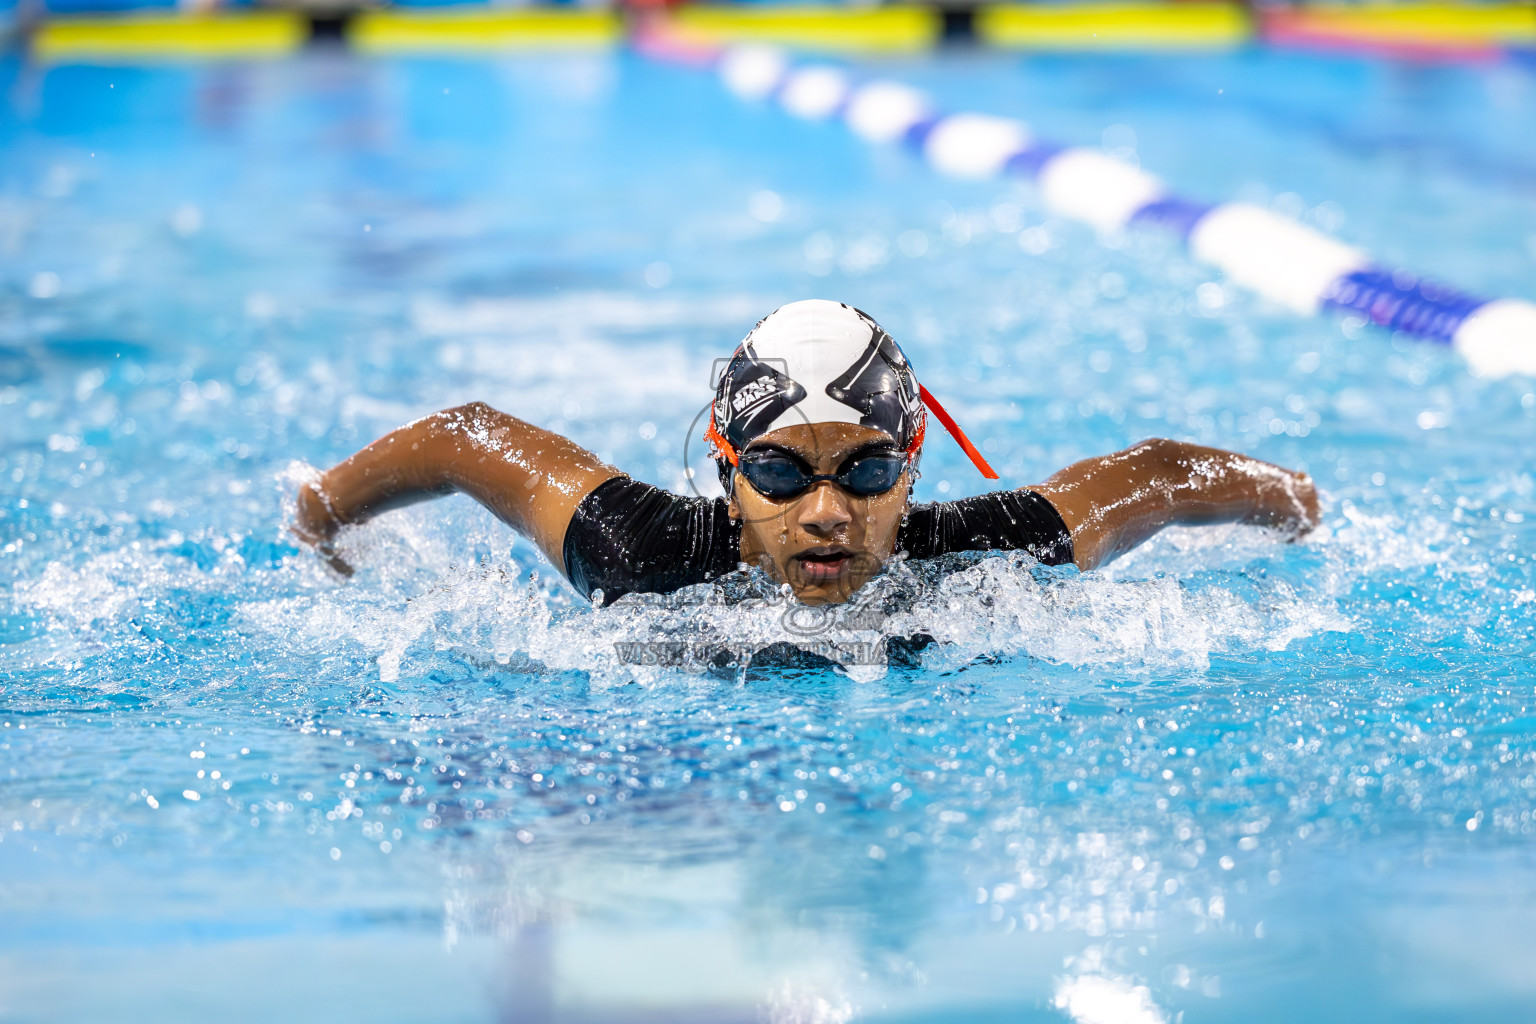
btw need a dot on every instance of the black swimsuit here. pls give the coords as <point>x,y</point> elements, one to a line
<point>629,537</point>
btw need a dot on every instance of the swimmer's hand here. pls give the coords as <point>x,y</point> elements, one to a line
<point>315,524</point>
<point>1286,501</point>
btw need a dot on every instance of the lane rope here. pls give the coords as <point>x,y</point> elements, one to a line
<point>1287,262</point>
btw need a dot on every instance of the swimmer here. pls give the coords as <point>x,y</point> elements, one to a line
<point>817,429</point>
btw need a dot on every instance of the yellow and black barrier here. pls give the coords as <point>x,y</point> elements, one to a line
<point>1128,25</point>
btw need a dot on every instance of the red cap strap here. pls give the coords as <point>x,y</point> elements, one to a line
<point>916,444</point>
<point>958,434</point>
<point>713,436</point>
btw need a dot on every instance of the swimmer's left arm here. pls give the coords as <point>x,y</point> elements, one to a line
<point>1114,502</point>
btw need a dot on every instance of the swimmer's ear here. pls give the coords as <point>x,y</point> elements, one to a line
<point>728,481</point>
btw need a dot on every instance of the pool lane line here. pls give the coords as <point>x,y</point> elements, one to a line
<point>160,36</point>
<point>169,36</point>
<point>480,30</point>
<point>1192,26</point>
<point>1420,32</point>
<point>905,28</point>
<point>1287,262</point>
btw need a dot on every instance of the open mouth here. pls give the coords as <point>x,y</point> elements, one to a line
<point>822,565</point>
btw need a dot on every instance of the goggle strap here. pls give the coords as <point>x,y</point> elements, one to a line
<point>958,434</point>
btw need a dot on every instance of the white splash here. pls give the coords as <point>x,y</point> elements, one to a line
<point>791,1005</point>
<point>410,603</point>
<point>402,608</point>
<point>1103,999</point>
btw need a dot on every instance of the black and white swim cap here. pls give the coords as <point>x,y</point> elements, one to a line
<point>818,361</point>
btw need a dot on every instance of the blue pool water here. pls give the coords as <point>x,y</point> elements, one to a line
<point>1226,779</point>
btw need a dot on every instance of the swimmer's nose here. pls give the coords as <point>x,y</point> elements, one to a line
<point>824,511</point>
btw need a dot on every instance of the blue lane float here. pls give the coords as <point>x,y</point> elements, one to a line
<point>1282,260</point>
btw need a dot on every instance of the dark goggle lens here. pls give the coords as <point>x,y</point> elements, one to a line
<point>775,476</point>
<point>779,476</point>
<point>872,474</point>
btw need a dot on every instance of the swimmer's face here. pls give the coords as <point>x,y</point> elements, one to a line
<point>827,542</point>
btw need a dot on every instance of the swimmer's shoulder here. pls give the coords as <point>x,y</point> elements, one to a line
<point>1018,520</point>
<point>628,536</point>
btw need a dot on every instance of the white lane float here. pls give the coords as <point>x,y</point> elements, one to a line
<point>1287,262</point>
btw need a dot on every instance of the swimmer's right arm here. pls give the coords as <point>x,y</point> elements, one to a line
<point>530,478</point>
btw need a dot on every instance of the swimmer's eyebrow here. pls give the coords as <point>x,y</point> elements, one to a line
<point>867,448</point>
<point>775,446</point>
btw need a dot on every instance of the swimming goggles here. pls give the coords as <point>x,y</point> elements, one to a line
<point>722,448</point>
<point>775,473</point>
